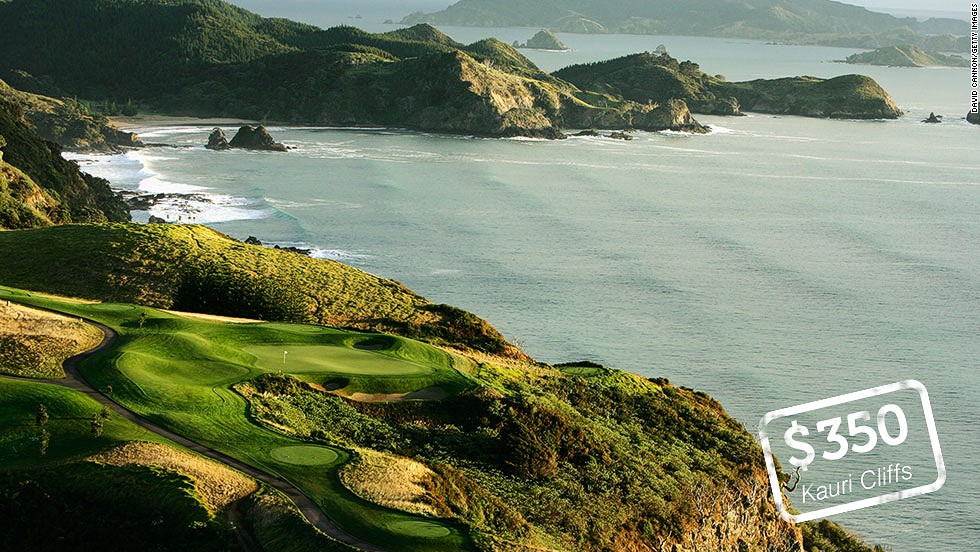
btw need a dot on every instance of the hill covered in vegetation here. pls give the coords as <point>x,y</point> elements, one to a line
<point>798,21</point>
<point>69,123</point>
<point>38,187</point>
<point>197,269</point>
<point>207,57</point>
<point>652,77</point>
<point>513,456</point>
<point>906,55</point>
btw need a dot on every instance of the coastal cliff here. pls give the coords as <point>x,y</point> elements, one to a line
<point>38,187</point>
<point>69,123</point>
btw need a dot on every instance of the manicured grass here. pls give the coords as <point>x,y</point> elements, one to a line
<point>70,417</point>
<point>309,359</point>
<point>306,455</point>
<point>178,372</point>
<point>584,371</point>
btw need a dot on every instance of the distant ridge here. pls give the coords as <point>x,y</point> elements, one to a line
<point>797,21</point>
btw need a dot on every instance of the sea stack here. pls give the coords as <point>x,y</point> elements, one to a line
<point>218,141</point>
<point>256,137</point>
<point>973,117</point>
<point>933,119</point>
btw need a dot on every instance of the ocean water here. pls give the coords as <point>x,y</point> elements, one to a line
<point>775,261</point>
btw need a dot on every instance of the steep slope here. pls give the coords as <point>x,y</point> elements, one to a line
<point>198,269</point>
<point>46,188</point>
<point>68,123</point>
<point>23,204</point>
<point>788,20</point>
<point>650,77</point>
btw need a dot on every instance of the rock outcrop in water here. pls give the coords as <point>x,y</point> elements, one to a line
<point>218,141</point>
<point>973,117</point>
<point>933,118</point>
<point>255,137</point>
<point>544,40</point>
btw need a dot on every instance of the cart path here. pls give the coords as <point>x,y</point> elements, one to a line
<point>74,380</point>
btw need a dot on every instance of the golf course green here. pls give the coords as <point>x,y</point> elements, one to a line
<point>179,371</point>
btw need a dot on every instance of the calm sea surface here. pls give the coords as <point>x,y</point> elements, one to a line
<point>775,261</point>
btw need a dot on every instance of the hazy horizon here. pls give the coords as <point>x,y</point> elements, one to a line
<point>943,8</point>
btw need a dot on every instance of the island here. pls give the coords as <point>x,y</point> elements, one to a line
<point>906,55</point>
<point>543,40</point>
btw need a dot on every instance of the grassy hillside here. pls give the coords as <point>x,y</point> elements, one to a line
<point>518,454</point>
<point>67,501</point>
<point>124,488</point>
<point>813,21</point>
<point>39,187</point>
<point>179,372</point>
<point>197,269</point>
<point>650,77</point>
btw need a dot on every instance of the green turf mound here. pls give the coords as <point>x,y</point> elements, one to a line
<point>303,455</point>
<point>425,529</point>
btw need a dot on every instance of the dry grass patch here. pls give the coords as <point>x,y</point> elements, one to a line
<point>34,343</point>
<point>390,480</point>
<point>217,485</point>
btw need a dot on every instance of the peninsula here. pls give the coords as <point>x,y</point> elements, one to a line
<point>906,55</point>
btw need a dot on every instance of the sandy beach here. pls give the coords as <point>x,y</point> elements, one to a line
<point>154,120</point>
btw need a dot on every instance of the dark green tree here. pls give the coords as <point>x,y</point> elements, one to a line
<point>41,419</point>
<point>43,441</point>
<point>97,425</point>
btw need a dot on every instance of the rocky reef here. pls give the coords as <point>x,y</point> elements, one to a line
<point>973,117</point>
